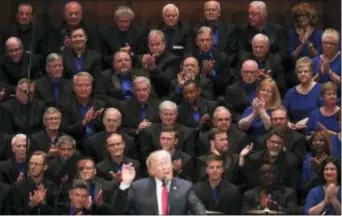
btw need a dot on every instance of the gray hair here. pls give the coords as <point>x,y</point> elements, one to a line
<point>141,79</point>
<point>170,6</point>
<point>124,10</point>
<point>158,154</point>
<point>52,57</point>
<point>331,32</point>
<point>221,108</point>
<point>250,61</point>
<point>51,110</point>
<point>80,74</point>
<point>260,5</point>
<point>261,37</point>
<point>203,29</point>
<point>155,32</point>
<point>218,5</point>
<point>14,39</point>
<point>18,137</point>
<point>168,105</point>
<point>66,139</point>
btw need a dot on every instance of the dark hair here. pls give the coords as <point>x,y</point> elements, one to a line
<point>213,132</point>
<point>189,82</point>
<point>325,136</point>
<point>41,153</point>
<point>276,133</point>
<point>268,163</point>
<point>78,28</point>
<point>85,159</point>
<point>213,157</point>
<point>338,114</point>
<point>334,161</point>
<point>171,129</point>
<point>27,4</point>
<point>79,184</point>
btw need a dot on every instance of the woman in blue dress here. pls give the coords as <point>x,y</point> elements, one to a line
<point>325,199</point>
<point>336,140</point>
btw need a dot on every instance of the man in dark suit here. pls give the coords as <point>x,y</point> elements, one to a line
<point>123,35</point>
<point>214,63</point>
<point>52,88</point>
<point>116,85</point>
<point>24,28</point>
<point>24,113</point>
<point>149,137</point>
<point>41,193</point>
<point>161,64</point>
<point>216,193</point>
<point>160,194</point>
<point>269,64</point>
<point>240,94</point>
<point>140,111</point>
<point>58,37</point>
<point>190,71</point>
<point>224,33</point>
<point>79,57</point>
<point>222,119</point>
<point>4,195</point>
<point>15,64</point>
<point>46,139</point>
<point>270,194</point>
<point>257,23</point>
<point>219,145</point>
<point>12,170</point>
<point>97,143</point>
<point>81,113</point>
<point>110,167</point>
<point>178,35</point>
<point>294,142</point>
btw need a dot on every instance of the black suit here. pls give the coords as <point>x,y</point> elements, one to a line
<point>17,116</point>
<point>91,62</point>
<point>11,72</point>
<point>295,142</point>
<point>167,67</point>
<point>97,145</point>
<point>41,141</point>
<point>18,197</point>
<point>149,139</point>
<point>230,166</point>
<point>64,209</point>
<point>130,114</point>
<point>141,198</point>
<point>227,201</point>
<point>227,38</point>
<point>277,35</point>
<point>4,188</point>
<point>106,165</point>
<point>113,40</point>
<point>285,197</point>
<point>9,172</point>
<point>72,118</point>
<point>187,171</point>
<point>206,85</point>
<point>179,38</point>
<point>237,141</point>
<point>108,86</point>
<point>45,92</point>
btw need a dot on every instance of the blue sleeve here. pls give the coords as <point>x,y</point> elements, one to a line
<point>310,200</point>
<point>292,45</point>
<point>307,172</point>
<point>317,40</point>
<point>288,99</point>
<point>315,62</point>
<point>178,89</point>
<point>311,124</point>
<point>247,112</point>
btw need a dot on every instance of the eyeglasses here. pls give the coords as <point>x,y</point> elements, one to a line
<point>276,142</point>
<point>35,164</point>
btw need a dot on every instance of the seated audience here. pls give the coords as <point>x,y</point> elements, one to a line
<point>336,140</point>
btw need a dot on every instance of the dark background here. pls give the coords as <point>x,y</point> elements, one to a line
<point>148,12</point>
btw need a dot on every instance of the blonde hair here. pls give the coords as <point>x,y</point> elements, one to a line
<point>304,62</point>
<point>276,99</point>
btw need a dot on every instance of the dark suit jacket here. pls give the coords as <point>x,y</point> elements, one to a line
<point>287,168</point>
<point>285,197</point>
<point>44,91</point>
<point>17,117</point>
<point>206,85</point>
<point>185,112</point>
<point>273,63</point>
<point>110,43</point>
<point>64,209</point>
<point>236,98</point>
<point>11,72</point>
<point>237,140</point>
<point>149,139</point>
<point>277,35</point>
<point>228,198</point>
<point>188,167</point>
<point>8,171</point>
<point>108,86</point>
<point>231,166</point>
<point>130,114</point>
<point>4,188</point>
<point>97,145</point>
<point>72,118</point>
<point>227,39</point>
<point>181,41</point>
<point>167,67</point>
<point>295,143</point>
<point>19,195</point>
<point>141,198</point>
<point>57,34</point>
<point>40,141</point>
<point>106,165</point>
<point>91,63</point>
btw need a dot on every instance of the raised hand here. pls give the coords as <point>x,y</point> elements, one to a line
<point>117,177</point>
<point>177,165</point>
<point>99,199</point>
<point>245,151</point>
<point>20,177</point>
<point>127,173</point>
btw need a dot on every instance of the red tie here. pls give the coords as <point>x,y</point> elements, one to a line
<point>164,200</point>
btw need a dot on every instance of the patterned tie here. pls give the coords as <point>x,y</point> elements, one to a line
<point>164,199</point>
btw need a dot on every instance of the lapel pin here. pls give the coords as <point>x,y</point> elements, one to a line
<point>174,188</point>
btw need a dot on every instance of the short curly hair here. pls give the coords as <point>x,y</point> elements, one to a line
<point>305,8</point>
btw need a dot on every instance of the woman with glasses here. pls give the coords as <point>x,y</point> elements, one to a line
<point>325,199</point>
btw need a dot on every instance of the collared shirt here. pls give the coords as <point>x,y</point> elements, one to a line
<point>56,86</point>
<point>169,32</point>
<point>215,191</point>
<point>73,211</point>
<point>196,114</point>
<point>122,38</point>
<point>79,63</point>
<point>91,190</point>
<point>142,112</point>
<point>251,89</point>
<point>215,29</point>
<point>126,86</point>
<point>84,109</point>
<point>159,187</point>
<point>261,65</point>
<point>21,166</point>
<point>117,167</point>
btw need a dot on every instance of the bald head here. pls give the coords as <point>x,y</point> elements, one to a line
<point>212,10</point>
<point>13,41</point>
<point>73,13</point>
<point>222,118</point>
<point>249,65</point>
<point>14,49</point>
<point>190,66</point>
<point>249,71</point>
<point>260,45</point>
<point>111,119</point>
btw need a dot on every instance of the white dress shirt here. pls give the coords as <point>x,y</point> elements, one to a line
<point>159,185</point>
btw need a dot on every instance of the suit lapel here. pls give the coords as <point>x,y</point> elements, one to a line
<point>176,36</point>
<point>153,195</point>
<point>87,60</point>
<point>98,187</point>
<point>116,81</point>
<point>171,196</point>
<point>69,61</point>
